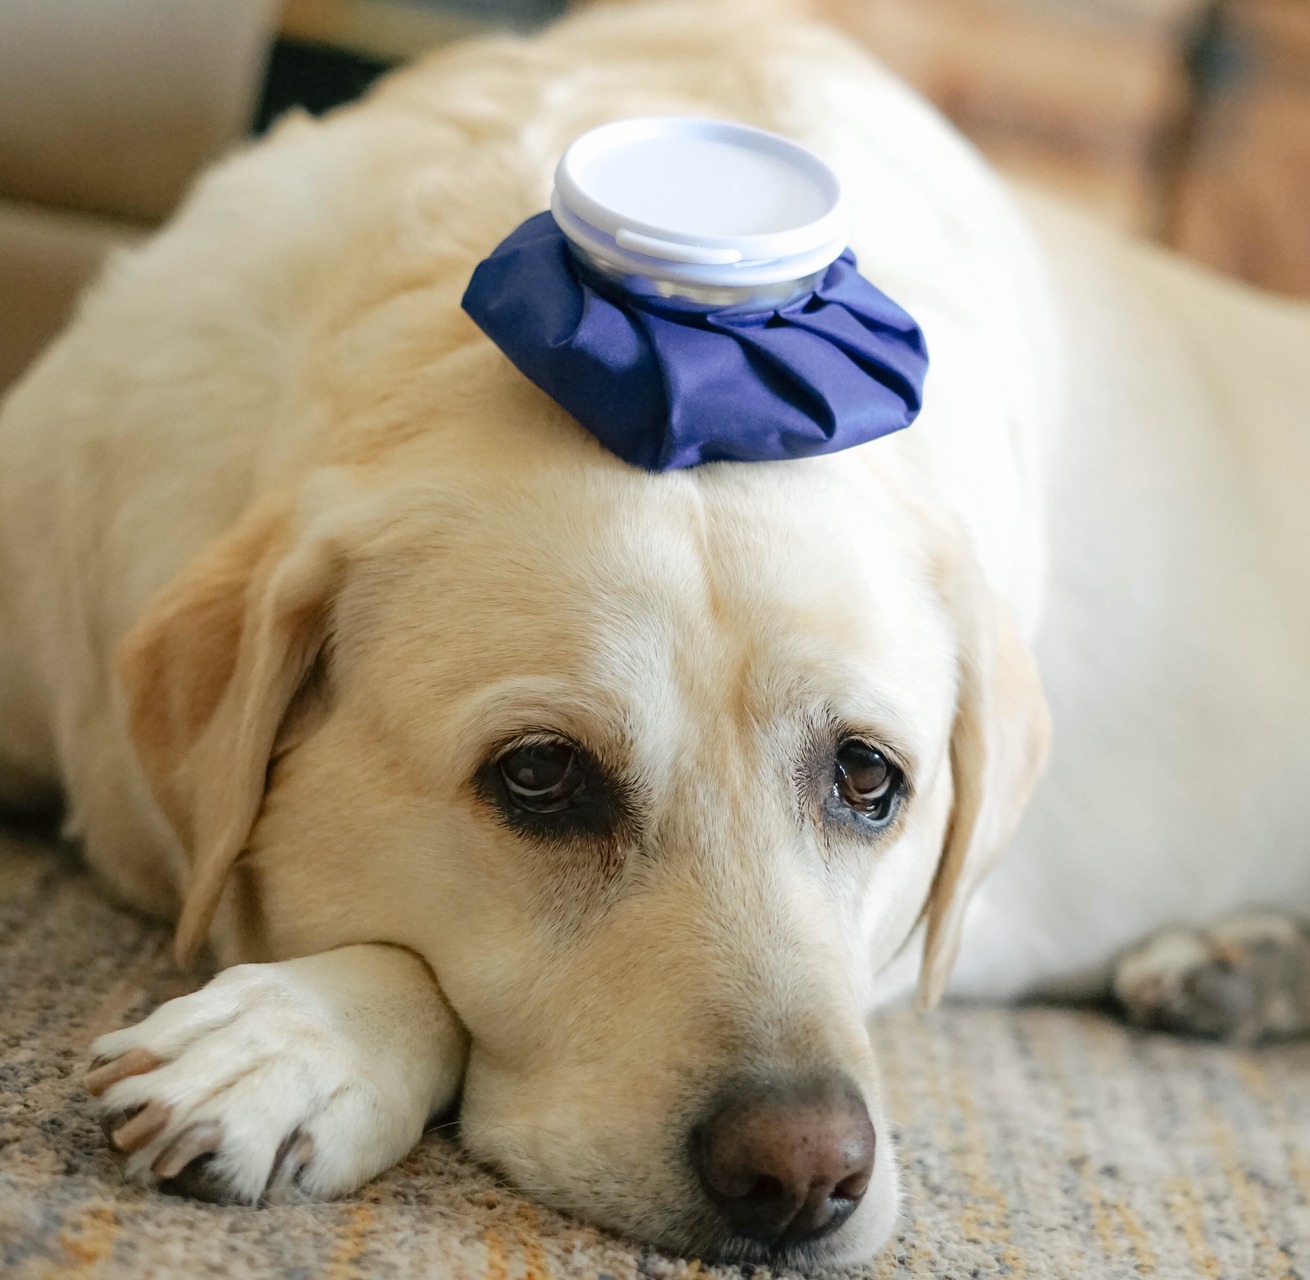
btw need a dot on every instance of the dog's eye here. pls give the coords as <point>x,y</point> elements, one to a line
<point>865,780</point>
<point>542,777</point>
<point>550,790</point>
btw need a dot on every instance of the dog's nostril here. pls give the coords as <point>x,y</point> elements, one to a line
<point>787,1163</point>
<point>854,1186</point>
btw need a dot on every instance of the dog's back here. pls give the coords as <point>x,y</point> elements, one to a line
<point>1173,643</point>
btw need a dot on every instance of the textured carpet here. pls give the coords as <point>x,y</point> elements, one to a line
<point>1037,1142</point>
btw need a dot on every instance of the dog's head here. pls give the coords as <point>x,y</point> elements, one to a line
<point>656,773</point>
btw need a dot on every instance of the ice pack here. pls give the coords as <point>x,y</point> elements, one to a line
<point>689,298</point>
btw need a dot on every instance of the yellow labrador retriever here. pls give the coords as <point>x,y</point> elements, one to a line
<point>495,769</point>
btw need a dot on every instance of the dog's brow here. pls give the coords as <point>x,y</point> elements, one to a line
<point>877,720</point>
<point>529,704</point>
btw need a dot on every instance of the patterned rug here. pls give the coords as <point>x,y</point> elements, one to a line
<point>1037,1143</point>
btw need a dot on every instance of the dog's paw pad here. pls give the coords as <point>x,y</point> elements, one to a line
<point>1245,979</point>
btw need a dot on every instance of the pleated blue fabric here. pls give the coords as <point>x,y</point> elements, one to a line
<point>665,385</point>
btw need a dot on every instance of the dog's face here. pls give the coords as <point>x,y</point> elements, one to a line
<point>656,773</point>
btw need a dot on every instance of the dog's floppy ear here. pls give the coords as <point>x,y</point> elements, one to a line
<point>999,743</point>
<point>209,671</point>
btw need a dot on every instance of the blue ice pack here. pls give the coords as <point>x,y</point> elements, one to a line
<point>690,299</point>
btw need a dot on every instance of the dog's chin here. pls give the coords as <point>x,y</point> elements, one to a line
<point>697,1233</point>
<point>805,1257</point>
<point>852,1245</point>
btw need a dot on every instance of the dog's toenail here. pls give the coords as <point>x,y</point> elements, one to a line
<point>135,1062</point>
<point>112,1120</point>
<point>198,1181</point>
<point>142,1128</point>
<point>198,1140</point>
<point>292,1156</point>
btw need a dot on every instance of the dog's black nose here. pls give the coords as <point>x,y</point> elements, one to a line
<point>787,1163</point>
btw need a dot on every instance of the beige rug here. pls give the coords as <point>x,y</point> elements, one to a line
<point>1037,1143</point>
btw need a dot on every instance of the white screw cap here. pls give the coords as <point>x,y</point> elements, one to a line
<point>699,202</point>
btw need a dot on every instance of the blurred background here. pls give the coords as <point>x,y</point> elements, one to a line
<point>1187,121</point>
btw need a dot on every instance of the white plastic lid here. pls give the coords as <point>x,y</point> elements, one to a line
<point>701,202</point>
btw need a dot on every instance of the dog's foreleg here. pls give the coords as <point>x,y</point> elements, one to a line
<point>304,1077</point>
<point>1247,978</point>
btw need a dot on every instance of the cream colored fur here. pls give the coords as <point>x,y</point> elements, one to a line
<point>288,549</point>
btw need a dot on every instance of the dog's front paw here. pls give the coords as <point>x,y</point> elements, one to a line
<point>1245,979</point>
<point>254,1088</point>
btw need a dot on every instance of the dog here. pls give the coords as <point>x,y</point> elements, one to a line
<point>601,806</point>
